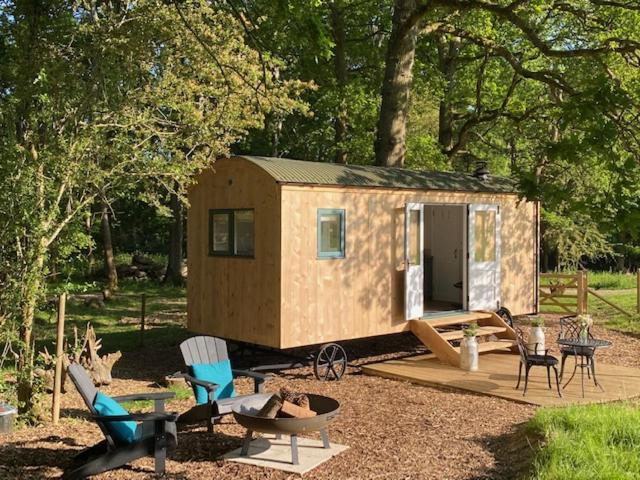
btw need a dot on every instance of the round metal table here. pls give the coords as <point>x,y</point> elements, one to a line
<point>579,345</point>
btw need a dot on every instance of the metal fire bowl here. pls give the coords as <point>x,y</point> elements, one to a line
<point>245,414</point>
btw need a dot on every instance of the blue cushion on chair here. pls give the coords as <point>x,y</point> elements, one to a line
<point>218,373</point>
<point>122,432</point>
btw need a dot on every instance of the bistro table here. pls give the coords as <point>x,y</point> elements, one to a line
<point>580,345</point>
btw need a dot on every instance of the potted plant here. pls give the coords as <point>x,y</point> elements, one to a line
<point>585,321</point>
<point>536,337</point>
<point>469,348</point>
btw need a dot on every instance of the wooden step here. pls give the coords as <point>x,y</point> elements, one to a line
<point>482,332</point>
<point>493,346</point>
<point>456,319</point>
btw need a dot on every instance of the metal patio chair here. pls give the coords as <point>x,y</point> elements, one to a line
<point>529,360</point>
<point>212,350</point>
<point>571,328</point>
<point>155,436</point>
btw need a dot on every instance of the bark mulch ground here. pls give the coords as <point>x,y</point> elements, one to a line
<point>395,430</point>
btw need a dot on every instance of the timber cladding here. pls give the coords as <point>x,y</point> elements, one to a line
<point>235,297</point>
<point>363,294</point>
<point>286,296</point>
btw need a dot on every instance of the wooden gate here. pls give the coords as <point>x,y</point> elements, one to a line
<point>566,291</point>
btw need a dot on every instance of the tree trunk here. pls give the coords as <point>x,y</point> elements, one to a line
<point>31,289</point>
<point>447,64</point>
<point>340,66</point>
<point>109,263</point>
<point>396,87</point>
<point>91,258</point>
<point>176,235</point>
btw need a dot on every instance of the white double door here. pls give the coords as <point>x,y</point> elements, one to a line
<point>482,285</point>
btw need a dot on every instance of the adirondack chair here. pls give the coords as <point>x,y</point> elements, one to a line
<point>154,436</point>
<point>205,350</point>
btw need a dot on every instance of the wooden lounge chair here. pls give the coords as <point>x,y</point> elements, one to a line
<point>214,401</point>
<point>154,436</point>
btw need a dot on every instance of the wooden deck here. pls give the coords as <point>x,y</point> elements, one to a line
<point>498,376</point>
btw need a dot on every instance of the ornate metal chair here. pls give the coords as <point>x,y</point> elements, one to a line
<point>529,360</point>
<point>571,328</point>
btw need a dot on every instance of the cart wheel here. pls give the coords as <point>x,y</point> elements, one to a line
<point>330,363</point>
<point>505,314</point>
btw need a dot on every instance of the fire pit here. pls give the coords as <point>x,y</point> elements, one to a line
<point>246,414</point>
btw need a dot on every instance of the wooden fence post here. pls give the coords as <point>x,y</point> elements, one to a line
<point>57,379</point>
<point>581,293</point>
<point>143,308</point>
<point>585,292</point>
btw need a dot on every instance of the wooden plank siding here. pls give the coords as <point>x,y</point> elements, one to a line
<point>233,297</point>
<point>286,296</point>
<point>362,295</point>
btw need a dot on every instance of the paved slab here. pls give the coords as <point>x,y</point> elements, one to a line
<point>267,451</point>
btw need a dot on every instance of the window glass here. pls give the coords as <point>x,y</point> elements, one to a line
<point>414,237</point>
<point>331,233</point>
<point>485,236</point>
<point>244,232</point>
<point>220,225</point>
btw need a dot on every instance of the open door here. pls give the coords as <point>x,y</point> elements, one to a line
<point>413,261</point>
<point>483,270</point>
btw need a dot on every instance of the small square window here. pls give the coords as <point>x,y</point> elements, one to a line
<point>231,233</point>
<point>331,233</point>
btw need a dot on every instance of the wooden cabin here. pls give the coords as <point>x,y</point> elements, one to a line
<point>285,253</point>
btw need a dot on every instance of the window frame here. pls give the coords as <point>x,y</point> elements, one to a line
<point>231,214</point>
<point>341,254</point>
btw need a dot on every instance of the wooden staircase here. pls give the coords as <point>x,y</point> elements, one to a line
<point>494,334</point>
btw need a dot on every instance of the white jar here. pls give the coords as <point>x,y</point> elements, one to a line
<point>536,341</point>
<point>469,354</point>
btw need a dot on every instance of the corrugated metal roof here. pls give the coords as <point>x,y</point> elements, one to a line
<point>285,170</point>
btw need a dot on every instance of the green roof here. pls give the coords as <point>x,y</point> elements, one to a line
<point>285,170</point>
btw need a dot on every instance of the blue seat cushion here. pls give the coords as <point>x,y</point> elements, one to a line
<point>218,373</point>
<point>121,431</point>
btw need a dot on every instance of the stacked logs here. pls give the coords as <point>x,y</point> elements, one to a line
<point>287,404</point>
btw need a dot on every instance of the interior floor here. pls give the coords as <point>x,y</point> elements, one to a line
<point>444,252</point>
<point>431,306</point>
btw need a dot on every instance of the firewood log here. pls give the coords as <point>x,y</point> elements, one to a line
<point>299,399</point>
<point>289,409</point>
<point>271,408</point>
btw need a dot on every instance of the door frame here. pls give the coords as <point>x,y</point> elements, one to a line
<point>465,251</point>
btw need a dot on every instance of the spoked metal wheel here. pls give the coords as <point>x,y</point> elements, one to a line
<point>506,315</point>
<point>330,363</point>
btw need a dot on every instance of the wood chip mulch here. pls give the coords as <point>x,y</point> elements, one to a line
<point>395,430</point>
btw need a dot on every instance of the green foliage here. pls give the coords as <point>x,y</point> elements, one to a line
<point>574,238</point>
<point>471,330</point>
<point>100,100</point>
<point>537,322</point>
<point>612,280</point>
<point>593,441</point>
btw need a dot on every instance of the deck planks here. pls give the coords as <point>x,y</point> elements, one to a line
<point>498,376</point>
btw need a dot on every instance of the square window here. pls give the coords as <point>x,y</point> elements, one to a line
<point>331,233</point>
<point>231,233</point>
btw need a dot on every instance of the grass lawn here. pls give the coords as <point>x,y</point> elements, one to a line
<point>587,442</point>
<point>165,309</point>
<point>618,288</point>
<point>612,281</point>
